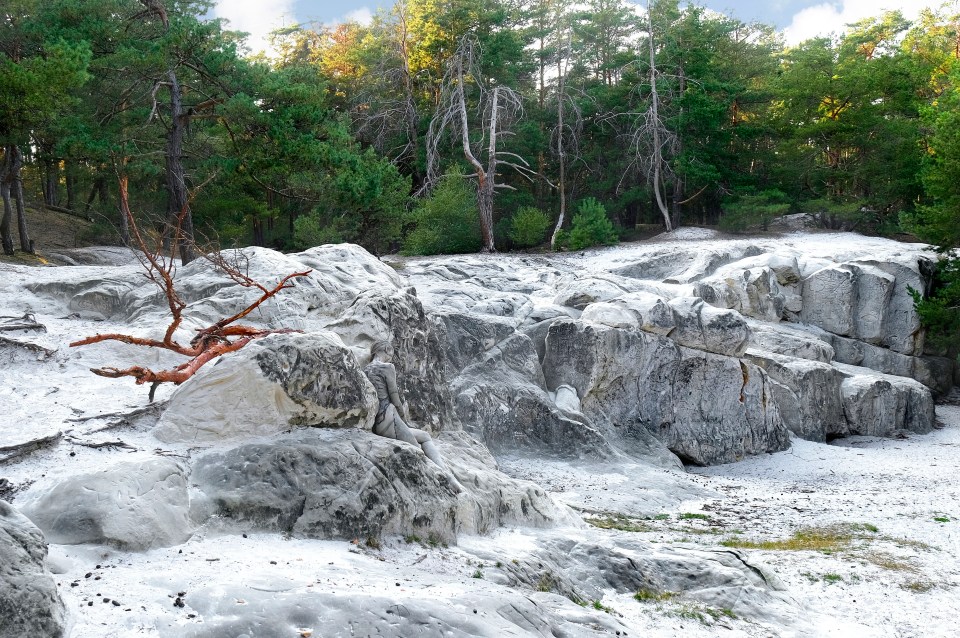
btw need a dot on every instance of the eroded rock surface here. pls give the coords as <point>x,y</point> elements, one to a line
<point>132,506</point>
<point>29,602</point>
<point>297,483</point>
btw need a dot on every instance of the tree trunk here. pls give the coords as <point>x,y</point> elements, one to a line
<point>51,182</point>
<point>14,168</point>
<point>124,209</point>
<point>179,219</point>
<point>71,179</point>
<point>484,189</point>
<point>657,150</point>
<point>562,185</point>
<point>5,235</point>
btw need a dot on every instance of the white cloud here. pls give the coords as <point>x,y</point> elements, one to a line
<point>258,18</point>
<point>831,17</point>
<point>363,15</point>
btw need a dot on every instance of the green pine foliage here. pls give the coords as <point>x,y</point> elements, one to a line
<point>591,226</point>
<point>447,222</point>
<point>528,227</point>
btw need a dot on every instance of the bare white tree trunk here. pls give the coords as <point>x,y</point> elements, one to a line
<point>503,104</point>
<point>657,158</point>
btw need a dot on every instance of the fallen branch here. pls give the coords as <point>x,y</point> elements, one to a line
<point>10,452</point>
<point>26,322</point>
<point>26,345</point>
<point>118,444</point>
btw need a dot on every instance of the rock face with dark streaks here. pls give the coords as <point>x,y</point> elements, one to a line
<point>29,602</point>
<point>350,484</point>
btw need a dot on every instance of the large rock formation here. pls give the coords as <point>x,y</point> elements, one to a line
<point>133,506</point>
<point>29,602</point>
<point>295,483</point>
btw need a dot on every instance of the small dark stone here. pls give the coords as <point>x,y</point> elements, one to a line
<point>90,604</point>
<point>191,615</point>
<point>273,562</point>
<point>73,454</point>
<point>97,567</point>
<point>244,535</point>
<point>474,611</point>
<point>106,600</point>
<point>116,603</point>
<point>96,578</point>
<point>179,603</point>
<point>181,593</point>
<point>74,584</point>
<point>88,575</point>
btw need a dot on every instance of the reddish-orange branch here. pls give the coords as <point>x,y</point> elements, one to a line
<point>209,343</point>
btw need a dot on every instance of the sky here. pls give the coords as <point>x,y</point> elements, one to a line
<point>799,19</point>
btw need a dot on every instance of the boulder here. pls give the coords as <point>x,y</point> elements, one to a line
<point>501,399</point>
<point>791,341</point>
<point>848,300</point>
<point>878,404</point>
<point>703,327</point>
<point>132,506</point>
<point>29,602</point>
<point>295,483</point>
<point>705,408</point>
<point>273,383</point>
<point>807,393</point>
<point>418,344</point>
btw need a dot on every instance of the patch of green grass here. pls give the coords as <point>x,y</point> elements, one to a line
<point>412,538</point>
<point>478,574</point>
<point>601,607</point>
<point>661,517</point>
<point>941,519</point>
<point>435,540</point>
<point>723,612</point>
<point>649,595</point>
<point>499,565</point>
<point>832,578</point>
<point>827,539</point>
<point>373,542</point>
<point>618,522</point>
<point>546,583</point>
<point>686,516</point>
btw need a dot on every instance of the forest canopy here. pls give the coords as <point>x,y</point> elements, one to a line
<point>674,116</point>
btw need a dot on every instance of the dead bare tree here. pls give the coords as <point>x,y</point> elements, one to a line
<point>208,343</point>
<point>654,129</point>
<point>499,106</point>
<point>566,134</point>
<point>388,106</point>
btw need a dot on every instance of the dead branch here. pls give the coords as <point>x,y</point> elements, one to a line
<point>27,322</point>
<point>100,445</point>
<point>10,452</point>
<point>208,343</point>
<point>26,345</point>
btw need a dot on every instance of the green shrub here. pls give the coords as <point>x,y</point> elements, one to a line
<point>447,221</point>
<point>837,214</point>
<point>591,227</point>
<point>753,211</point>
<point>528,227</point>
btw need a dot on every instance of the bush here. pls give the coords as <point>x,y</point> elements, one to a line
<point>528,227</point>
<point>752,211</point>
<point>591,227</point>
<point>447,221</point>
